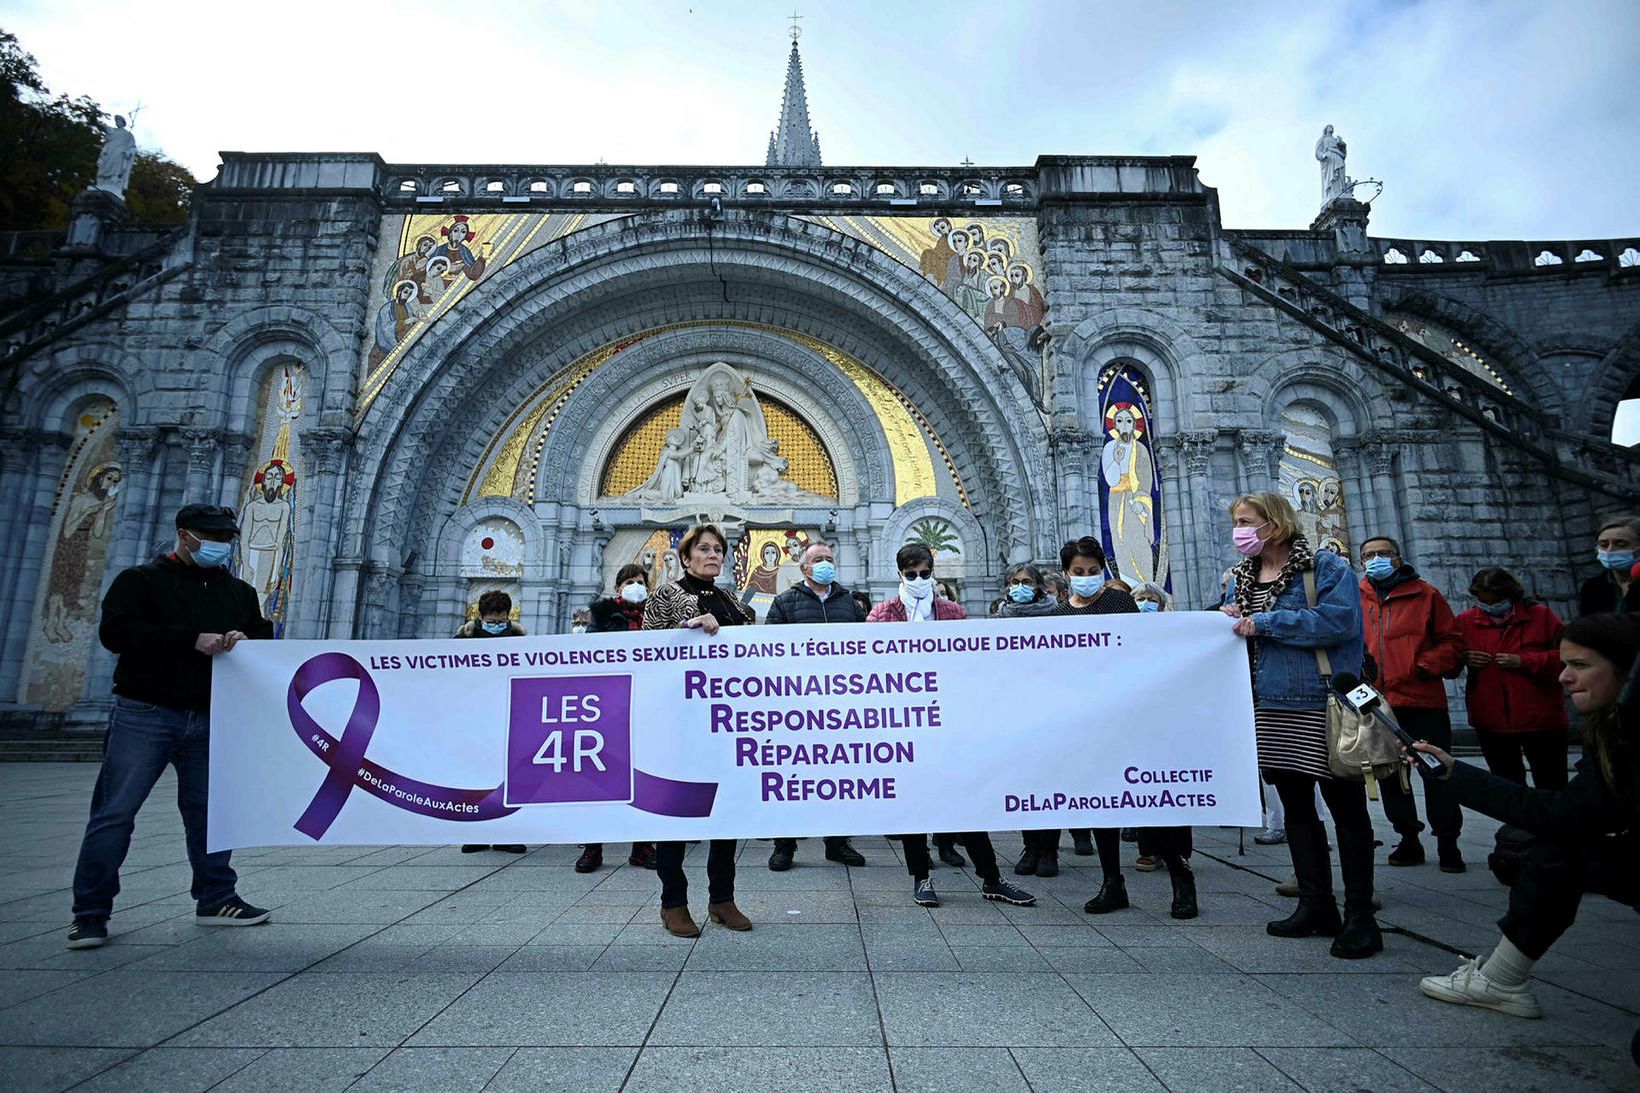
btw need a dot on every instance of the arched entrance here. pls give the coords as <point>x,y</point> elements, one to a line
<point>530,389</point>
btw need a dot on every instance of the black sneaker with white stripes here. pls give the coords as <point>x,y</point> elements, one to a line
<point>88,933</point>
<point>235,912</point>
<point>1004,892</point>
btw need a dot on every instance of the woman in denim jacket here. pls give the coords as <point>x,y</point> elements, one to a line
<point>1267,598</point>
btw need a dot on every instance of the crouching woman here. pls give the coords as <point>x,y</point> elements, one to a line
<point>1588,834</point>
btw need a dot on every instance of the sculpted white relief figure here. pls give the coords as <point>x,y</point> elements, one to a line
<point>119,152</point>
<point>721,449</point>
<point>1330,152</point>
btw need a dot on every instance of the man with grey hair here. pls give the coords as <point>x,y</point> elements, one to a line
<point>818,597</point>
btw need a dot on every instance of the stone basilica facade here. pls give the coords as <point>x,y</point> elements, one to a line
<point>419,382</point>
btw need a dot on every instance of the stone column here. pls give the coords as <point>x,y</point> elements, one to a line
<point>316,597</point>
<point>1077,504</point>
<point>1259,451</point>
<point>341,604</point>
<point>236,454</point>
<point>380,585</point>
<point>32,512</point>
<point>1181,549</point>
<point>411,589</point>
<point>1360,508</point>
<point>1380,456</point>
<point>202,450</point>
<point>23,448</point>
<point>1198,524</point>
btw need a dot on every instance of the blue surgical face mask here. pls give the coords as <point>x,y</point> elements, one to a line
<point>1379,567</point>
<point>1497,610</point>
<point>824,572</point>
<point>210,553</point>
<point>1021,593</point>
<point>494,627</point>
<point>1148,606</point>
<point>1616,559</point>
<point>1087,586</point>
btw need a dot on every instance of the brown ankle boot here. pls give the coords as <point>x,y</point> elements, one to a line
<point>728,915</point>
<point>678,923</point>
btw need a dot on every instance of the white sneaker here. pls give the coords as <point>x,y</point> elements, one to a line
<point>1468,986</point>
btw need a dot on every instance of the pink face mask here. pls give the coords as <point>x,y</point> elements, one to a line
<point>1247,541</point>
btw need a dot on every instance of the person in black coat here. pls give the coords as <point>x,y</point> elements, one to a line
<point>1614,589</point>
<point>166,620</point>
<point>816,598</point>
<point>1588,834</point>
<point>619,614</point>
<point>494,621</point>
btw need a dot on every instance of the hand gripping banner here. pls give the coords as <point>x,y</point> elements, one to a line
<point>751,733</point>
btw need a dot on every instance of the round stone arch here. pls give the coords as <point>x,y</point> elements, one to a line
<point>1337,383</point>
<point>1514,356</point>
<point>459,523</point>
<point>257,341</point>
<point>76,374</point>
<point>614,395</point>
<point>1618,374</point>
<point>897,532</point>
<point>404,423</point>
<point>1162,347</point>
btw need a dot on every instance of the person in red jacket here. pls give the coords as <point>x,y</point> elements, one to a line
<point>1411,634</point>
<point>1512,647</point>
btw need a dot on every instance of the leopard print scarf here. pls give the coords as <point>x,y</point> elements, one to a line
<point>1300,559</point>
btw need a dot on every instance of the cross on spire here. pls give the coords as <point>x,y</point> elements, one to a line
<point>796,31</point>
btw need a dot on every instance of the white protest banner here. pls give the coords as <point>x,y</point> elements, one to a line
<point>1081,721</point>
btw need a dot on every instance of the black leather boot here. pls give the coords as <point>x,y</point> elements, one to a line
<point>1026,865</point>
<point>1112,897</point>
<point>1360,937</point>
<point>1184,889</point>
<point>1317,911</point>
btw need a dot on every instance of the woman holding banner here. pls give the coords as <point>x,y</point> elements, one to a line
<point>1294,604</point>
<point>916,602</point>
<point>619,614</point>
<point>695,602</point>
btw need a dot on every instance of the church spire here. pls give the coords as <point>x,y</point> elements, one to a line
<point>793,143</point>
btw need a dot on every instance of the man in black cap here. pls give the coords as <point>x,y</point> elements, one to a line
<point>166,620</point>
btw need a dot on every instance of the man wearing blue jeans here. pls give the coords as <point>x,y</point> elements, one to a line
<point>166,620</point>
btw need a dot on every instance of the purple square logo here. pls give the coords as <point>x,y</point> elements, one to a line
<point>569,740</point>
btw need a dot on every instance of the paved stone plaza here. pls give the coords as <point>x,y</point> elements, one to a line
<point>421,967</point>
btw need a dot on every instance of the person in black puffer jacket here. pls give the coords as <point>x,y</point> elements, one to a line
<point>1588,834</point>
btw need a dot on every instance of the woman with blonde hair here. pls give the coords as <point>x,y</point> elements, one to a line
<point>695,602</point>
<point>1301,613</point>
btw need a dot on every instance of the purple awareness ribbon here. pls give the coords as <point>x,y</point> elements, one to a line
<point>349,767</point>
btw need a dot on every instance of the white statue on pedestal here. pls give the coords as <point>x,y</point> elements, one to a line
<point>119,152</point>
<point>1330,152</point>
<point>721,450</point>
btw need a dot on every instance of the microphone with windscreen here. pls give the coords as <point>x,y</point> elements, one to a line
<point>1363,699</point>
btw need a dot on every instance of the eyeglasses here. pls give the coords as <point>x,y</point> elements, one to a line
<point>917,574</point>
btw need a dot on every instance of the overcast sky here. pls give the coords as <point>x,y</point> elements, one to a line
<point>1502,120</point>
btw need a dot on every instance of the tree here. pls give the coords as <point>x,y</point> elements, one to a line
<point>48,154</point>
<point>160,191</point>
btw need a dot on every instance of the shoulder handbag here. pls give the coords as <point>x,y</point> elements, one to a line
<point>1358,748</point>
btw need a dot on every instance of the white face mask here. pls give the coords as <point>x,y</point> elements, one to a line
<point>635,592</point>
<point>919,588</point>
<point>578,628</point>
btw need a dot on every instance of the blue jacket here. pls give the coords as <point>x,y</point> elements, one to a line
<point>1285,676</point>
